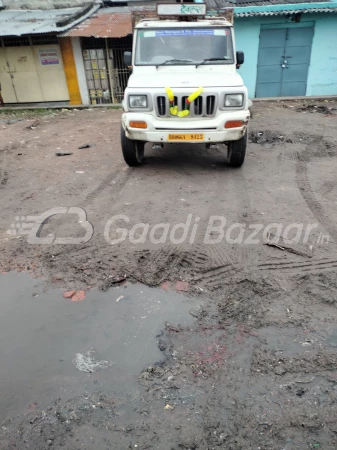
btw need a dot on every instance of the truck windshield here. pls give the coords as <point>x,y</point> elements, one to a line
<point>184,46</point>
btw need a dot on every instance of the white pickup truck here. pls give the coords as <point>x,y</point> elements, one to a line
<point>184,86</point>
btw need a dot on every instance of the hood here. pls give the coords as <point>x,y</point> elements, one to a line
<point>181,79</point>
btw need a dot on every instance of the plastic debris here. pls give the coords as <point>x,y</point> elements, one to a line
<point>168,407</point>
<point>86,363</point>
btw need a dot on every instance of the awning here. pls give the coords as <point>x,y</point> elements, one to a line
<point>106,23</point>
<point>285,9</point>
<point>24,22</point>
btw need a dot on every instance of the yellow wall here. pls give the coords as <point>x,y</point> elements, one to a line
<point>70,70</point>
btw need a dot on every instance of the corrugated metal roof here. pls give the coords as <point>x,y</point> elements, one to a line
<point>284,13</point>
<point>18,23</point>
<point>108,22</point>
<point>218,4</point>
<point>284,9</point>
<point>105,23</point>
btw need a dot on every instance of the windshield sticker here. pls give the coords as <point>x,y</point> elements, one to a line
<point>149,33</point>
<point>207,32</point>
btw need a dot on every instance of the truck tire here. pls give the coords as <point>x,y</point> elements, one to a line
<point>237,151</point>
<point>133,151</point>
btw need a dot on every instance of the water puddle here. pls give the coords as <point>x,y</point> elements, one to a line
<point>46,340</point>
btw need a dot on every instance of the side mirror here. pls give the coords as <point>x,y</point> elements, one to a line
<point>128,58</point>
<point>240,58</point>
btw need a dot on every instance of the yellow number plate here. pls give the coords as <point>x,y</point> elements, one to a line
<point>186,137</point>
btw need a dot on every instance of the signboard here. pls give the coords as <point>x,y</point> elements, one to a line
<point>49,56</point>
<point>181,9</point>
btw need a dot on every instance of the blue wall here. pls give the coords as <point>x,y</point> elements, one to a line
<point>322,76</point>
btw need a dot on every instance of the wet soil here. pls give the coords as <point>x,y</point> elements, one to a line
<point>245,356</point>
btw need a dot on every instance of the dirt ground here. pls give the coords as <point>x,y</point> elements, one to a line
<point>258,366</point>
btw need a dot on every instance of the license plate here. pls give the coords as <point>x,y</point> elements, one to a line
<point>186,137</point>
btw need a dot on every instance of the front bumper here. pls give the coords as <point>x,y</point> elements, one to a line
<point>158,130</point>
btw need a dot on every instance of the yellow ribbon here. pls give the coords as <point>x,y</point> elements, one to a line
<point>174,108</point>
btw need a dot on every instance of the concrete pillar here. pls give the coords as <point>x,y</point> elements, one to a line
<point>81,78</point>
<point>70,70</point>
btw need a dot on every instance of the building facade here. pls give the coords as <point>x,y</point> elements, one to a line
<point>75,55</point>
<point>36,66</point>
<point>290,50</point>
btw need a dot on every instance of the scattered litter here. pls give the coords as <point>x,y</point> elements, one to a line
<point>171,327</point>
<point>19,154</point>
<point>161,345</point>
<point>168,407</point>
<point>63,153</point>
<point>182,286</point>
<point>79,171</point>
<point>86,363</point>
<point>118,280</point>
<point>296,248</point>
<point>119,298</point>
<point>84,146</point>
<point>69,294</point>
<point>111,281</point>
<point>165,286</point>
<point>182,200</point>
<point>315,109</point>
<point>76,296</point>
<point>300,392</point>
<point>33,125</point>
<point>305,380</point>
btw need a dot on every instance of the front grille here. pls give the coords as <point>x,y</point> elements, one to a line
<point>204,105</point>
<point>187,129</point>
<point>198,106</point>
<point>161,103</point>
<point>210,105</point>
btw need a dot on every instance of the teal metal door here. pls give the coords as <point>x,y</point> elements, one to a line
<point>283,63</point>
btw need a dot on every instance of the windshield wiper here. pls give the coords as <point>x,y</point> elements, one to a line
<point>226,58</point>
<point>173,61</point>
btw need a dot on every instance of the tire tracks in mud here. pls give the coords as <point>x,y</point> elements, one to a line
<point>307,193</point>
<point>120,180</point>
<point>3,168</point>
<point>308,265</point>
<point>204,259</point>
<point>213,263</point>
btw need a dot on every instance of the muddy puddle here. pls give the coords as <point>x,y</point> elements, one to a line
<point>53,348</point>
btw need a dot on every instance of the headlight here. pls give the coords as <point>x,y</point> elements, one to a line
<point>234,100</point>
<point>138,101</point>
